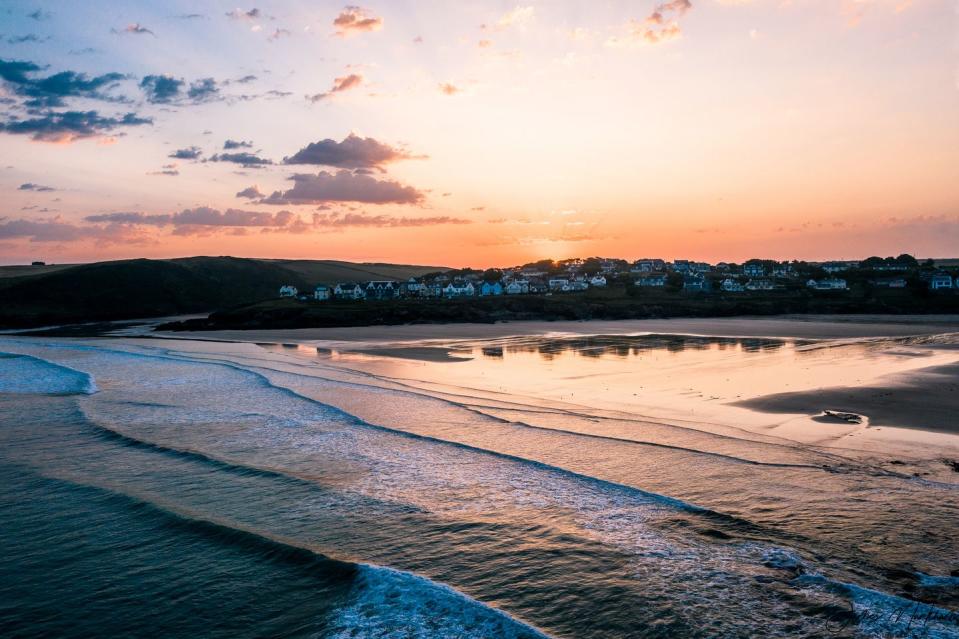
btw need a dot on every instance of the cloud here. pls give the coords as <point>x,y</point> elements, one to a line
<point>517,17</point>
<point>168,169</point>
<point>134,28</point>
<point>244,14</point>
<point>166,89</point>
<point>39,15</point>
<point>39,188</point>
<point>203,90</point>
<point>30,37</point>
<point>160,89</point>
<point>659,26</point>
<point>189,153</point>
<point>353,19</point>
<point>237,144</point>
<point>363,219</point>
<point>248,160</point>
<point>353,152</point>
<point>448,89</point>
<point>57,230</point>
<point>68,126</point>
<point>344,83</point>
<point>251,192</point>
<point>279,33</point>
<point>200,216</point>
<point>344,186</point>
<point>53,90</point>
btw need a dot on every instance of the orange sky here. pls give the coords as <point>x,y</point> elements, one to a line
<point>492,134</point>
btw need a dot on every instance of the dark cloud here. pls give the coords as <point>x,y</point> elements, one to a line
<point>134,28</point>
<point>343,83</point>
<point>30,37</point>
<point>203,219</point>
<point>68,126</point>
<point>39,188</point>
<point>246,159</point>
<point>237,144</point>
<point>353,152</point>
<point>57,230</point>
<point>203,90</point>
<point>189,153</point>
<point>251,192</point>
<point>52,90</point>
<point>39,15</point>
<point>279,33</point>
<point>362,219</point>
<point>241,14</point>
<point>166,89</point>
<point>344,186</point>
<point>245,79</point>
<point>191,16</point>
<point>353,19</point>
<point>161,89</point>
<point>168,169</point>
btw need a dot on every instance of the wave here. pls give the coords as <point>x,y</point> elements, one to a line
<point>34,375</point>
<point>377,601</point>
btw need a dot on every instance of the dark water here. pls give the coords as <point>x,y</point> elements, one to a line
<point>147,491</point>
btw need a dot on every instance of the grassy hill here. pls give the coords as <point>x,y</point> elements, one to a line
<point>127,289</point>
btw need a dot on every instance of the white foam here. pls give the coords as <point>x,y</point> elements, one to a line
<point>32,375</point>
<point>387,604</point>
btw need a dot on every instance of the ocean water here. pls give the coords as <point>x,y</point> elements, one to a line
<point>197,489</point>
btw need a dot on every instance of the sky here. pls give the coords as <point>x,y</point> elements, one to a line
<point>479,134</point>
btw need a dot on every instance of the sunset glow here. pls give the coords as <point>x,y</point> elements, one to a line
<point>479,134</point>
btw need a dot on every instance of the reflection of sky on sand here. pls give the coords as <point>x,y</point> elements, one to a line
<point>675,377</point>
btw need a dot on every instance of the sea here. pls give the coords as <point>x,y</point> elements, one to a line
<point>542,486</point>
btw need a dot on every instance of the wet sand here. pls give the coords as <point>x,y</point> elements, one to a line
<point>927,399</point>
<point>805,327</point>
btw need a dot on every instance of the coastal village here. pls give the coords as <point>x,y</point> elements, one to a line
<point>578,275</point>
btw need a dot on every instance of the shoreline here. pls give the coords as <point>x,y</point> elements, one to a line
<point>784,326</point>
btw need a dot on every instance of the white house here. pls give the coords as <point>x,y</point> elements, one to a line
<point>517,287</point>
<point>759,285</point>
<point>349,292</point>
<point>732,286</point>
<point>321,293</point>
<point>940,281</point>
<point>597,280</point>
<point>754,270</point>
<point>288,291</point>
<point>828,284</point>
<point>559,284</point>
<point>459,289</point>
<point>652,280</point>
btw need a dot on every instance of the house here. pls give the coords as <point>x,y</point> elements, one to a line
<point>517,287</point>
<point>578,285</point>
<point>559,284</point>
<point>682,266</point>
<point>838,267</point>
<point>381,290</point>
<point>754,269</point>
<point>700,267</point>
<point>782,270</point>
<point>695,283</point>
<point>648,266</point>
<point>288,290</point>
<point>732,286</point>
<point>940,281</point>
<point>413,288</point>
<point>459,289</point>
<point>889,282</point>
<point>491,288</point>
<point>597,280</point>
<point>651,281</point>
<point>349,292</point>
<point>321,293</point>
<point>828,284</point>
<point>759,285</point>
